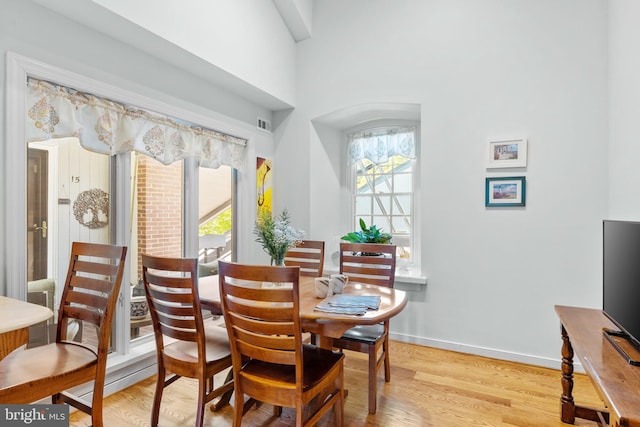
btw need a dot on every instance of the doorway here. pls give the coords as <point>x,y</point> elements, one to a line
<point>68,193</point>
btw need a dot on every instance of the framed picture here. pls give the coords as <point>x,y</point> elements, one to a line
<point>507,153</point>
<point>264,189</point>
<point>505,191</point>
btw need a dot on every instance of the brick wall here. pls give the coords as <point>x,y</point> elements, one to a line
<point>159,195</point>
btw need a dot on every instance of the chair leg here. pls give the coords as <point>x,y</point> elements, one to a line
<point>277,411</point>
<point>387,363</point>
<point>373,379</point>
<point>96,404</point>
<point>238,407</point>
<point>202,390</point>
<point>157,398</point>
<point>299,414</point>
<point>338,408</point>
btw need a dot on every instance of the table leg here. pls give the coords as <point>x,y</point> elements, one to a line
<point>567,405</point>
<point>226,397</point>
<point>325,342</point>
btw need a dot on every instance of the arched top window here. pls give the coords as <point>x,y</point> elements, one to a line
<point>383,182</point>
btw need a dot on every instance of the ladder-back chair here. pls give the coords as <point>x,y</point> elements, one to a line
<point>376,264</point>
<point>197,351</point>
<point>270,362</point>
<point>309,256</point>
<point>89,296</point>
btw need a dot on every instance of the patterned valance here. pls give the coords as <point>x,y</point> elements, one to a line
<point>378,145</point>
<point>109,127</point>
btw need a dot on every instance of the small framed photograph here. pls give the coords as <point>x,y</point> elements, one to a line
<point>505,191</point>
<point>507,153</point>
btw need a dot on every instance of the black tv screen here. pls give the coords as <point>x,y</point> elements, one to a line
<point>621,275</point>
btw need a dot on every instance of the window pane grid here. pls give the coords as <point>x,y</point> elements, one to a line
<point>383,195</point>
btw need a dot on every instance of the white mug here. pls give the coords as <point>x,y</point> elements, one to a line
<point>322,286</point>
<point>337,283</point>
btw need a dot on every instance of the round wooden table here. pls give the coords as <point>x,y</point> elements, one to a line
<point>15,318</point>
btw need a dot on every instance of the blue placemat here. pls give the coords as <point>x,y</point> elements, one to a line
<point>349,304</point>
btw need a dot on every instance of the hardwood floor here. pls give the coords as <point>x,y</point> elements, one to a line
<point>429,387</point>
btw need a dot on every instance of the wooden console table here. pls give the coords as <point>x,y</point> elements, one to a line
<point>616,381</point>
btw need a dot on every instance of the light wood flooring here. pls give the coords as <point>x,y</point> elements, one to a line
<point>429,387</point>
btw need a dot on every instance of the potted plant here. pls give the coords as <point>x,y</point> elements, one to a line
<point>371,234</point>
<point>366,234</point>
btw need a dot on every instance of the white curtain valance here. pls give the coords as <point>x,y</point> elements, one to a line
<point>379,145</point>
<point>111,128</point>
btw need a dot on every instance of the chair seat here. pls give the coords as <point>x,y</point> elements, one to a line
<point>217,346</point>
<point>367,333</point>
<point>317,362</point>
<point>40,370</point>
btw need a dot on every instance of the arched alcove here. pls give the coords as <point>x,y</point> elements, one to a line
<point>330,203</point>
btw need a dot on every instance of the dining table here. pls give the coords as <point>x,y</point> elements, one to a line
<point>324,325</point>
<point>15,318</point>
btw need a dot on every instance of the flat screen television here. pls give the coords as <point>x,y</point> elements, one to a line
<point>621,283</point>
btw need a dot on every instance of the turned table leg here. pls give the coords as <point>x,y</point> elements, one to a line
<point>567,405</point>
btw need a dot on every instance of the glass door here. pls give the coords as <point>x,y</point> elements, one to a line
<point>37,213</point>
<point>68,198</point>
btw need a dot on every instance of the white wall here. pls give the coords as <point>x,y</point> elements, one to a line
<point>244,44</point>
<point>478,69</point>
<point>624,154</point>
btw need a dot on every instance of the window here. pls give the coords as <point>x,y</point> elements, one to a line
<point>130,176</point>
<point>383,175</point>
<point>156,227</point>
<point>95,171</point>
<point>215,217</point>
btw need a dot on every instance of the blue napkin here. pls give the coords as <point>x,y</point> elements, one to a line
<point>349,304</point>
<point>370,302</point>
<point>328,308</point>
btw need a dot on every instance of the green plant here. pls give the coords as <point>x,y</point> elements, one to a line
<point>277,235</point>
<point>367,235</point>
<point>220,224</point>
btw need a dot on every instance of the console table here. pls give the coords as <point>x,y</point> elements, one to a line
<point>616,381</point>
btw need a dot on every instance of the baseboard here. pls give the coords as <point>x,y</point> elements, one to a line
<point>122,375</point>
<point>486,352</point>
<point>130,380</point>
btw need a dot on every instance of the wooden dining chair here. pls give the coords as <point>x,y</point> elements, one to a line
<point>309,256</point>
<point>376,264</point>
<point>193,350</point>
<point>89,296</point>
<point>271,364</point>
